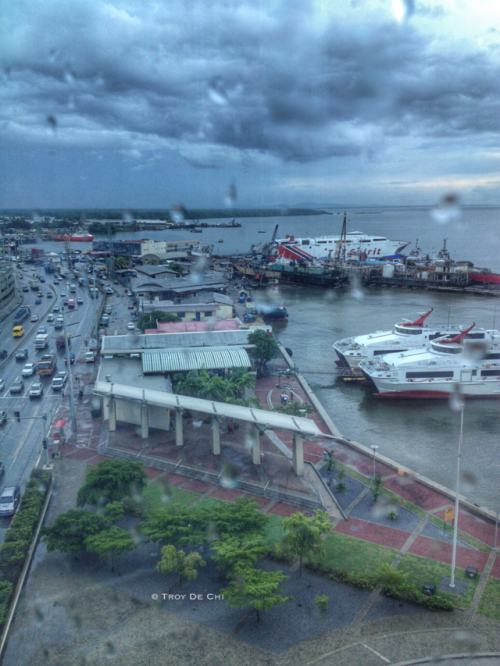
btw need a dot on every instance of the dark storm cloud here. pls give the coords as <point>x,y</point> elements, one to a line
<point>225,74</point>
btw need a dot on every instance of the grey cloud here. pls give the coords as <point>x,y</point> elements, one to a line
<point>230,75</point>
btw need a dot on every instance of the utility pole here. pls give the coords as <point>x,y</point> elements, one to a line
<point>457,500</point>
<point>68,361</point>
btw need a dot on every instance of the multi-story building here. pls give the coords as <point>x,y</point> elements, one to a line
<point>7,284</point>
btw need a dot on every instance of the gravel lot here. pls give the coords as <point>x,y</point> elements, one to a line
<point>376,512</point>
<point>353,489</point>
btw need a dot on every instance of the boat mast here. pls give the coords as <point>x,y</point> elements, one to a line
<point>340,254</point>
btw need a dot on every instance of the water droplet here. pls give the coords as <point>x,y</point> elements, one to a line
<point>229,477</point>
<point>39,616</point>
<point>69,77</point>
<point>465,641</point>
<point>53,54</point>
<point>212,533</point>
<point>178,213</point>
<point>217,92</point>
<point>448,210</point>
<point>110,650</point>
<point>402,9</point>
<point>127,217</point>
<point>230,198</point>
<point>36,216</point>
<point>52,123</point>
<point>456,400</point>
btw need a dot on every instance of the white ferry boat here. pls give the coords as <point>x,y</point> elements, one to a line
<point>324,247</point>
<point>471,360</point>
<point>405,336</point>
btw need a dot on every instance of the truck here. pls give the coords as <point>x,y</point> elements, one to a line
<point>48,268</point>
<point>21,315</point>
<point>41,340</point>
<point>71,303</point>
<point>47,364</point>
<point>72,288</point>
<point>34,284</point>
<point>60,343</point>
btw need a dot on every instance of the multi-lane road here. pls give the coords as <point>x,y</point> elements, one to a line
<point>21,441</point>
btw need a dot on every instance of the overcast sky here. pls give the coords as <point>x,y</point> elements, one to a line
<point>148,104</point>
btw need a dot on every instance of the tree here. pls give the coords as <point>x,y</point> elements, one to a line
<point>241,517</point>
<point>71,529</point>
<point>111,481</point>
<point>149,320</point>
<point>217,388</point>
<point>112,542</point>
<point>114,512</point>
<point>376,487</point>
<point>393,582</point>
<point>256,589</point>
<point>243,380</point>
<point>266,348</point>
<point>303,536</point>
<point>176,561</point>
<point>236,553</point>
<point>176,524</point>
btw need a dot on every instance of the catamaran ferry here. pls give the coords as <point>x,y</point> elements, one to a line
<point>324,247</point>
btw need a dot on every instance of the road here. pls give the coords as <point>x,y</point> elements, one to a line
<point>21,442</point>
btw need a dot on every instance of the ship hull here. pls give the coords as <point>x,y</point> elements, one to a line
<point>73,239</point>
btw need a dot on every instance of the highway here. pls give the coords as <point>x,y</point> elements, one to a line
<point>21,442</point>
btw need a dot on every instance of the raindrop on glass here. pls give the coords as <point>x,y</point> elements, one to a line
<point>229,477</point>
<point>456,400</point>
<point>230,198</point>
<point>127,217</point>
<point>402,9</point>
<point>36,216</point>
<point>217,92</point>
<point>69,77</point>
<point>178,214</point>
<point>52,123</point>
<point>448,210</point>
<point>39,616</point>
<point>53,54</point>
<point>110,650</point>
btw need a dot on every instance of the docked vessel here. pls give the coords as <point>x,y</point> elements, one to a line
<point>405,336</point>
<point>469,359</point>
<point>324,247</point>
<point>74,238</point>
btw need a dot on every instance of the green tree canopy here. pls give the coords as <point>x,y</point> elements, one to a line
<point>112,543</point>
<point>176,561</point>
<point>114,512</point>
<point>111,481</point>
<point>256,589</point>
<point>236,553</point>
<point>149,320</point>
<point>71,529</point>
<point>303,536</point>
<point>266,348</point>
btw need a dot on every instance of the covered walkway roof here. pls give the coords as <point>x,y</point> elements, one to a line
<point>179,360</point>
<point>305,427</point>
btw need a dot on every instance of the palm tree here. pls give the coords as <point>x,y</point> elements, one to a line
<point>243,380</point>
<point>218,389</point>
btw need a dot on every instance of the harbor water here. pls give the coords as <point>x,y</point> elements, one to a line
<point>422,435</point>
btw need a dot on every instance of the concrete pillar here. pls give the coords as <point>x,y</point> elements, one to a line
<point>254,434</point>
<point>215,437</point>
<point>179,432</point>
<point>144,421</point>
<point>112,414</point>
<point>298,454</point>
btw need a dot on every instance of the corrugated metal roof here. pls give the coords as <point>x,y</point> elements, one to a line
<point>179,360</point>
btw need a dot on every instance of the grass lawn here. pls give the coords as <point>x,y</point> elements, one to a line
<point>490,601</point>
<point>343,553</point>
<point>422,571</point>
<point>479,545</point>
<point>159,495</point>
<point>274,529</point>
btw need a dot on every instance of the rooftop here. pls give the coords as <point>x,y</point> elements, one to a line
<point>179,360</point>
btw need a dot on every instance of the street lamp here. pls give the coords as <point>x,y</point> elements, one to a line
<point>68,361</point>
<point>457,501</point>
<point>374,448</point>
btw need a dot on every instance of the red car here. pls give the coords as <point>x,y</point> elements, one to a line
<point>130,307</point>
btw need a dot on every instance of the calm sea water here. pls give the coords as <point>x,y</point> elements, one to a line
<point>423,434</point>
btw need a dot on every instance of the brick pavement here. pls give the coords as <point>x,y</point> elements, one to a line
<point>442,552</point>
<point>379,534</point>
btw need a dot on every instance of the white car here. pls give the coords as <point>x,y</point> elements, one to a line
<point>29,370</point>
<point>59,381</point>
<point>63,294</point>
<point>34,318</point>
<point>90,357</point>
<point>50,317</point>
<point>36,390</point>
<point>131,326</point>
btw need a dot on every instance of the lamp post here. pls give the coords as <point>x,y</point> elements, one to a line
<point>457,501</point>
<point>374,448</point>
<point>68,361</point>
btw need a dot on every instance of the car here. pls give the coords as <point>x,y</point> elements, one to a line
<point>29,370</point>
<point>38,301</point>
<point>49,294</point>
<point>3,417</point>
<point>36,390</point>
<point>40,294</point>
<point>71,359</point>
<point>41,329</point>
<point>79,300</point>
<point>56,308</point>
<point>9,500</point>
<point>25,288</point>
<point>18,332</point>
<point>130,306</point>
<point>90,357</point>
<point>109,309</point>
<point>59,381</point>
<point>65,302</point>
<point>3,354</point>
<point>17,386</point>
<point>63,294</point>
<point>2,384</point>
<point>131,326</point>
<point>42,279</point>
<point>21,354</point>
<point>50,317</point>
<point>115,281</point>
<point>34,317</point>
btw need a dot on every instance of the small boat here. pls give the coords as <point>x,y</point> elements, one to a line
<point>196,231</point>
<point>261,232</point>
<point>74,238</point>
<point>221,241</point>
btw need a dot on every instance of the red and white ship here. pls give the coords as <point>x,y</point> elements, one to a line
<point>74,238</point>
